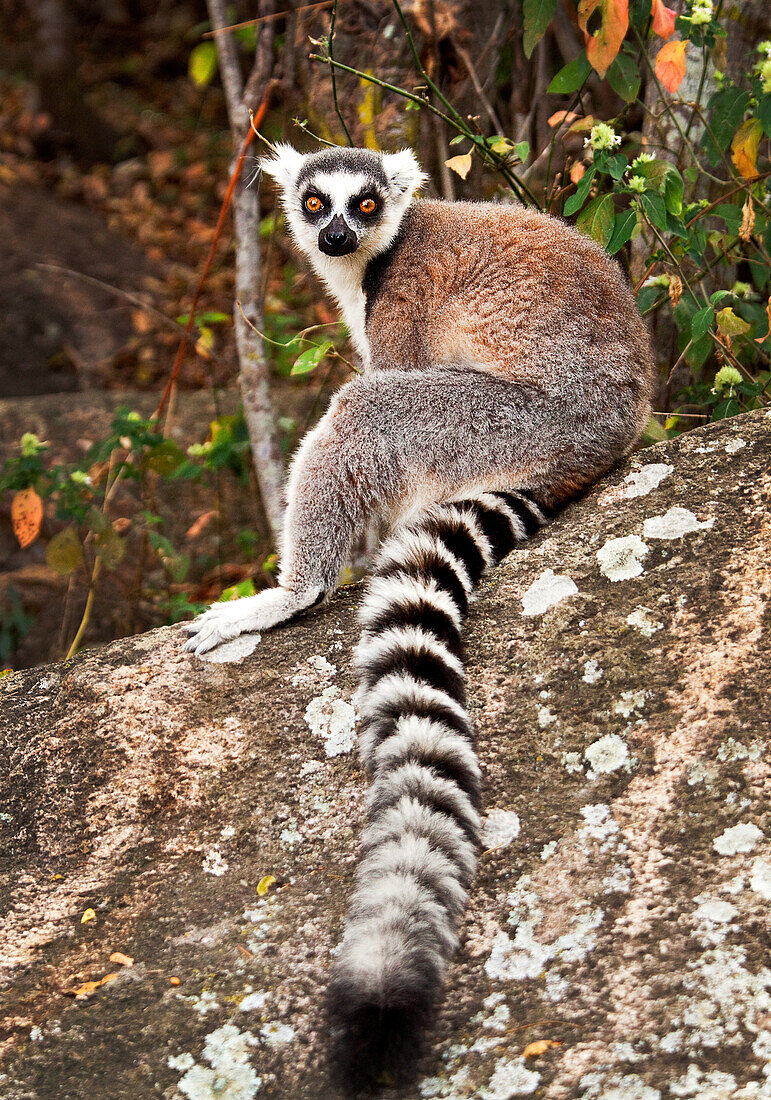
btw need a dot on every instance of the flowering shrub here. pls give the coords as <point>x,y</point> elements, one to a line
<point>682,200</point>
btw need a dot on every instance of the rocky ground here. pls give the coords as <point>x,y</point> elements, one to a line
<point>201,820</point>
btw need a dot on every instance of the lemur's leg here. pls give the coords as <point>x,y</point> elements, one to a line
<point>396,438</point>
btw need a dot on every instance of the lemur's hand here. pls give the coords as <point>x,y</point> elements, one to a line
<point>225,621</point>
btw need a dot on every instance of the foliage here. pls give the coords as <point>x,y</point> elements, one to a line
<point>90,525</point>
<point>690,222</point>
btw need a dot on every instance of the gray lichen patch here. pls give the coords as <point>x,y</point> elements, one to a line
<point>162,793</point>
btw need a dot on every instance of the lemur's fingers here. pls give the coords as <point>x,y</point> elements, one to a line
<point>225,621</point>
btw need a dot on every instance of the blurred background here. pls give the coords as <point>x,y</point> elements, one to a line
<point>162,349</point>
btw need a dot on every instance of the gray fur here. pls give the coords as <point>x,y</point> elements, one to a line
<point>505,368</point>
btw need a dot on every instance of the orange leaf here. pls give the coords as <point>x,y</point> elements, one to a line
<point>82,991</point>
<point>576,172</point>
<point>123,960</point>
<point>26,516</point>
<point>744,148</point>
<point>539,1047</point>
<point>663,19</point>
<point>461,164</point>
<point>198,526</point>
<point>561,116</point>
<point>670,64</point>
<point>602,46</point>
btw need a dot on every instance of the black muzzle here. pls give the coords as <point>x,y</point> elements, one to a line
<point>337,239</point>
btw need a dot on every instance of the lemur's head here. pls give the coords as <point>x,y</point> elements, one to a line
<point>343,201</point>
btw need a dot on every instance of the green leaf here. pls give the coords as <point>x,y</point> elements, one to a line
<point>617,165</point>
<point>522,149</point>
<point>165,458</point>
<point>109,546</point>
<point>730,324</point>
<point>731,215</point>
<point>718,296</point>
<point>672,190</point>
<point>576,201</point>
<point>700,322</point>
<point>311,358</point>
<point>623,227</point>
<point>571,77</point>
<point>655,211</point>
<point>537,14</point>
<point>726,111</point>
<point>764,113</point>
<point>236,591</point>
<point>597,219</point>
<point>624,78</point>
<point>64,552</point>
<point>203,63</point>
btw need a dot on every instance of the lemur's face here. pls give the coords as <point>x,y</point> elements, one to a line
<point>344,201</point>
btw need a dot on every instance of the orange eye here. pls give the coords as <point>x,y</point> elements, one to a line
<point>367,206</point>
<point>313,204</point>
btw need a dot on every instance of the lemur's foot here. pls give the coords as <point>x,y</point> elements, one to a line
<point>225,621</point>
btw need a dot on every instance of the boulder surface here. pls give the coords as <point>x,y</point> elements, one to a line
<point>179,836</point>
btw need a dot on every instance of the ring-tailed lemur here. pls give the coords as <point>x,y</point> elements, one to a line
<point>505,368</point>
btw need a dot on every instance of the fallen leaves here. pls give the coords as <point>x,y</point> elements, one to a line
<point>121,959</point>
<point>26,516</point>
<point>82,991</point>
<point>539,1047</point>
<point>265,884</point>
<point>670,64</point>
<point>88,915</point>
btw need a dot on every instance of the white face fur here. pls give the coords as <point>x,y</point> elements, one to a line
<point>344,207</point>
<point>344,204</point>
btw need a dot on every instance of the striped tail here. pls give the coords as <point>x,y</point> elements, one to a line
<point>418,745</point>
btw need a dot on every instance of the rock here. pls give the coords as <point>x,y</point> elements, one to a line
<point>193,807</point>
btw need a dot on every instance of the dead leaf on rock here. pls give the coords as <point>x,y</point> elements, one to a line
<point>88,915</point>
<point>539,1047</point>
<point>123,960</point>
<point>265,884</point>
<point>82,991</point>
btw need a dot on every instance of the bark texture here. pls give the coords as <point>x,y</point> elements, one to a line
<point>618,681</point>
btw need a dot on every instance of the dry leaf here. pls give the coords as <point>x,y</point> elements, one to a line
<point>577,171</point>
<point>670,64</point>
<point>198,526</point>
<point>748,220</point>
<point>744,147</point>
<point>663,19</point>
<point>121,959</point>
<point>561,116</point>
<point>82,991</point>
<point>675,289</point>
<point>265,884</point>
<point>460,164</point>
<point>539,1047</point>
<point>26,516</point>
<point>87,916</point>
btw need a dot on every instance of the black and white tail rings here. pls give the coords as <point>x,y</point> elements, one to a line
<point>417,744</point>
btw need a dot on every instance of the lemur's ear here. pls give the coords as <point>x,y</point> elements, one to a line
<point>284,166</point>
<point>403,171</point>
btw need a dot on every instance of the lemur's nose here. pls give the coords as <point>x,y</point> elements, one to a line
<point>337,238</point>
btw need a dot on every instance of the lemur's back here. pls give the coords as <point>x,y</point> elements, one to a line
<point>519,293</point>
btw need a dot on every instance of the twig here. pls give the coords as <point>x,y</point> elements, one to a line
<point>333,74</point>
<point>183,344</point>
<point>265,18</point>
